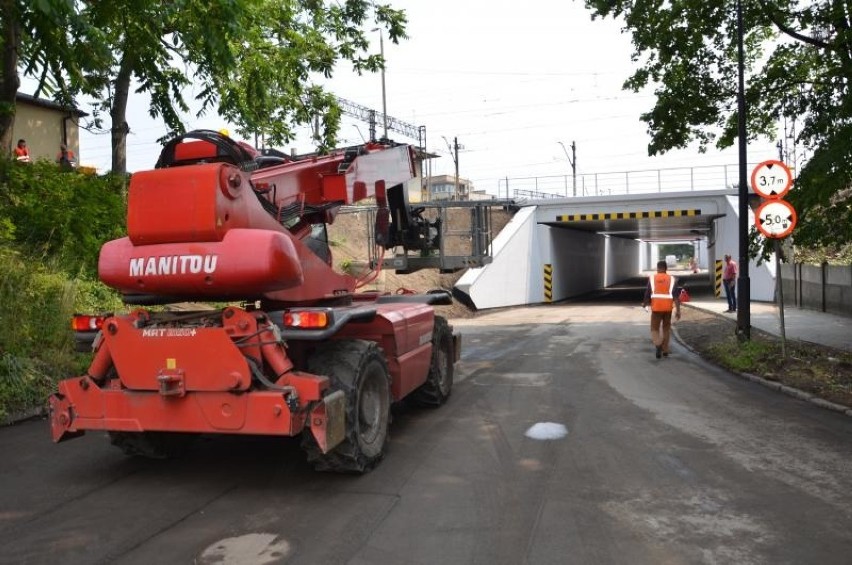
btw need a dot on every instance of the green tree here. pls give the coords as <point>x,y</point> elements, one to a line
<point>251,60</point>
<point>38,38</point>
<point>799,65</point>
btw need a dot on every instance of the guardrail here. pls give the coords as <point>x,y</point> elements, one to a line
<point>679,179</point>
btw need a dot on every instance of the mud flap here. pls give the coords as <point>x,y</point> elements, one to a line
<point>457,339</point>
<point>328,421</point>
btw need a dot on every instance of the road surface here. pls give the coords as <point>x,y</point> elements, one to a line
<point>661,461</point>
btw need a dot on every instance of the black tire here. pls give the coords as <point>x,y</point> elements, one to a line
<point>439,384</point>
<point>359,369</point>
<point>153,445</point>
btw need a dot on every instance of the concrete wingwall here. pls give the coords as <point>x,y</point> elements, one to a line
<point>506,280</point>
<point>727,241</point>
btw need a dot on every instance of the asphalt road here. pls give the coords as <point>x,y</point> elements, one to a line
<point>665,461</point>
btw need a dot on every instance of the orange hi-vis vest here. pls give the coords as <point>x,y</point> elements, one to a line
<point>662,285</point>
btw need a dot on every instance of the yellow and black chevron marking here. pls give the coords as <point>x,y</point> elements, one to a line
<point>717,284</point>
<point>627,215</point>
<point>548,282</point>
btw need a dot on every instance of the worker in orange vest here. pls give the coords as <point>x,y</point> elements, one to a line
<point>660,294</point>
<point>65,158</point>
<point>22,152</point>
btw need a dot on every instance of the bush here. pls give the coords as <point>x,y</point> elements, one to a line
<point>63,215</point>
<point>52,225</point>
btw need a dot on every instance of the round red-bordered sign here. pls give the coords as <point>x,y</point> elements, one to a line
<point>775,218</point>
<point>771,179</point>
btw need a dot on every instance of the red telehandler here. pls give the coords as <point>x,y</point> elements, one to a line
<point>302,353</point>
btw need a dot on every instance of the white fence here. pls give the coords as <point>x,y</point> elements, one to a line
<point>685,179</point>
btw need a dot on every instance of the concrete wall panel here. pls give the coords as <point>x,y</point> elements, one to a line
<point>811,274</point>
<point>839,275</point>
<point>578,262</point>
<point>623,259</point>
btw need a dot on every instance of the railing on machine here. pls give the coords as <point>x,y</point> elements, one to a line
<point>465,242</point>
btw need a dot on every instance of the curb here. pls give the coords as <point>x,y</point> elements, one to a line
<point>23,415</point>
<point>775,385</point>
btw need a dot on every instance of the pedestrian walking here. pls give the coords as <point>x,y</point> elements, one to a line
<point>662,296</point>
<point>729,280</point>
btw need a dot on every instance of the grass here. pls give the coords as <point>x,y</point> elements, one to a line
<point>821,371</point>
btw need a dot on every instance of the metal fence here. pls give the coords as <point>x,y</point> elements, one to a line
<point>684,179</point>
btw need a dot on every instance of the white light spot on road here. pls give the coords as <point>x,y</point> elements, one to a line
<point>547,430</point>
<point>257,549</point>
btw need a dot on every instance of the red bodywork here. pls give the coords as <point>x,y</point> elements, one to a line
<point>201,232</point>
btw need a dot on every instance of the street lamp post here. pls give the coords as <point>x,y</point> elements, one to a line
<point>384,97</point>
<point>743,281</point>
<point>572,162</point>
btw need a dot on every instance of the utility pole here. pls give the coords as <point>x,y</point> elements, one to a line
<point>572,160</point>
<point>454,151</point>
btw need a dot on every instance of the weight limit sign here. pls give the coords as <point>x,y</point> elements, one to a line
<point>775,219</point>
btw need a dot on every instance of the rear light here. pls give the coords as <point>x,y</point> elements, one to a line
<point>87,323</point>
<point>308,319</point>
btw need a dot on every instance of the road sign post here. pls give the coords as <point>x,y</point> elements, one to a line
<point>775,218</point>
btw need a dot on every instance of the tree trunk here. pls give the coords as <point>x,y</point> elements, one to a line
<point>118,113</point>
<point>10,32</point>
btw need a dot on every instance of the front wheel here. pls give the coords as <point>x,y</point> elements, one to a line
<point>358,368</point>
<point>439,382</point>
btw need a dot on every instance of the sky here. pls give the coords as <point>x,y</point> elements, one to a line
<point>509,81</point>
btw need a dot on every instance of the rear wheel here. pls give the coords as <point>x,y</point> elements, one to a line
<point>358,368</point>
<point>439,383</point>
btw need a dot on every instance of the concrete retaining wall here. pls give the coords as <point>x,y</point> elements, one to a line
<point>826,288</point>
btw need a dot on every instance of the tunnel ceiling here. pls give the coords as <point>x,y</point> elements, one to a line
<point>653,228</point>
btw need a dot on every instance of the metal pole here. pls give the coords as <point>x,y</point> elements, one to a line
<point>743,282</point>
<point>384,97</point>
<point>574,165</point>
<point>780,291</point>
<point>456,160</point>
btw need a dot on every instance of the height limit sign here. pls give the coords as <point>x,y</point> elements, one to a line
<point>771,179</point>
<point>775,218</point>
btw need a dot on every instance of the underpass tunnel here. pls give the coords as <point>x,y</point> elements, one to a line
<point>612,248</point>
<point>558,250</point>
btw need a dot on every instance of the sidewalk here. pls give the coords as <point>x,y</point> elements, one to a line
<point>799,324</point>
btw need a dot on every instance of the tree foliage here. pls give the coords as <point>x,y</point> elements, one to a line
<point>252,61</point>
<point>255,62</point>
<point>798,59</point>
<point>36,38</point>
